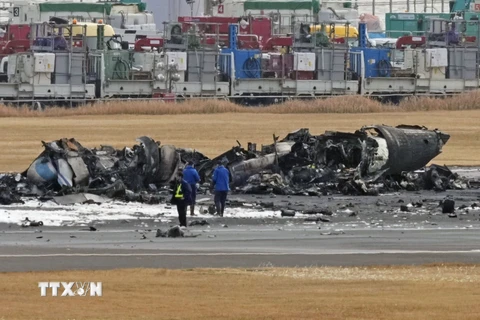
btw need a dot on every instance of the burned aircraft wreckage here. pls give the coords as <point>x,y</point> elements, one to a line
<point>369,161</point>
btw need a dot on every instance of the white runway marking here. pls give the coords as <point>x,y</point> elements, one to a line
<point>53,255</point>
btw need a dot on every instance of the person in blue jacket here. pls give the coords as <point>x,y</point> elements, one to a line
<point>190,175</point>
<point>221,182</point>
<point>181,198</point>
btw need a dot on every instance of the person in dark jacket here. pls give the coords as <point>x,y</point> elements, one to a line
<point>181,198</point>
<point>221,182</point>
<point>190,175</point>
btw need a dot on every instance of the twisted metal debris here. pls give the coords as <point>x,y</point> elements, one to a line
<point>369,161</point>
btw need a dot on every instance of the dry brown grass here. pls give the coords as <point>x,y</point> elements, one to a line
<point>215,133</point>
<point>343,104</point>
<point>150,107</point>
<point>403,293</point>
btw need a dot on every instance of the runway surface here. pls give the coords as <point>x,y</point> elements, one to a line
<point>359,231</point>
<point>246,247</point>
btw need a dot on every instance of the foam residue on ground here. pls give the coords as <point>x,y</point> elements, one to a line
<point>52,214</point>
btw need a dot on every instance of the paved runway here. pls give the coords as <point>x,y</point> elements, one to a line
<point>428,236</point>
<point>242,246</point>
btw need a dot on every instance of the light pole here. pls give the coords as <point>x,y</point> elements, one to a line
<point>191,2</point>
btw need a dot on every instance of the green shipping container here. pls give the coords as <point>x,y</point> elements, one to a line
<point>105,8</point>
<point>473,27</point>
<point>401,24</point>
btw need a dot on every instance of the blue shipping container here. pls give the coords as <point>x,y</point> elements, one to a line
<point>247,63</point>
<point>377,62</point>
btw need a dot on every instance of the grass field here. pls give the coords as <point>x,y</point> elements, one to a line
<point>403,293</point>
<point>212,134</point>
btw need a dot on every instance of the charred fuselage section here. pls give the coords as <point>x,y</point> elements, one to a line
<point>371,160</point>
<point>346,162</point>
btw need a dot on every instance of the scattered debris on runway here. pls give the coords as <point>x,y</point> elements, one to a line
<point>175,232</point>
<point>373,160</point>
<point>27,223</point>
<point>198,223</point>
<point>448,206</point>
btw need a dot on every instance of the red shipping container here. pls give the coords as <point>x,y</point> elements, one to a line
<point>303,75</point>
<point>166,97</point>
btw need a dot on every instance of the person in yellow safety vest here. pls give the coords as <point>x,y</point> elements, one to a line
<point>181,198</point>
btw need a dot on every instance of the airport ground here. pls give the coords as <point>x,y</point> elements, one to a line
<point>430,260</point>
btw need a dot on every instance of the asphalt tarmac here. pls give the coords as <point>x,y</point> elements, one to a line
<point>248,247</point>
<point>397,229</point>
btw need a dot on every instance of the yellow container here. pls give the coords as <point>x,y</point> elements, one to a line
<point>340,30</point>
<point>91,29</point>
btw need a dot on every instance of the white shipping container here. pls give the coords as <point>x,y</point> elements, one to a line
<point>12,65</point>
<point>437,57</point>
<point>409,58</point>
<point>44,62</point>
<point>178,58</point>
<point>304,61</point>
